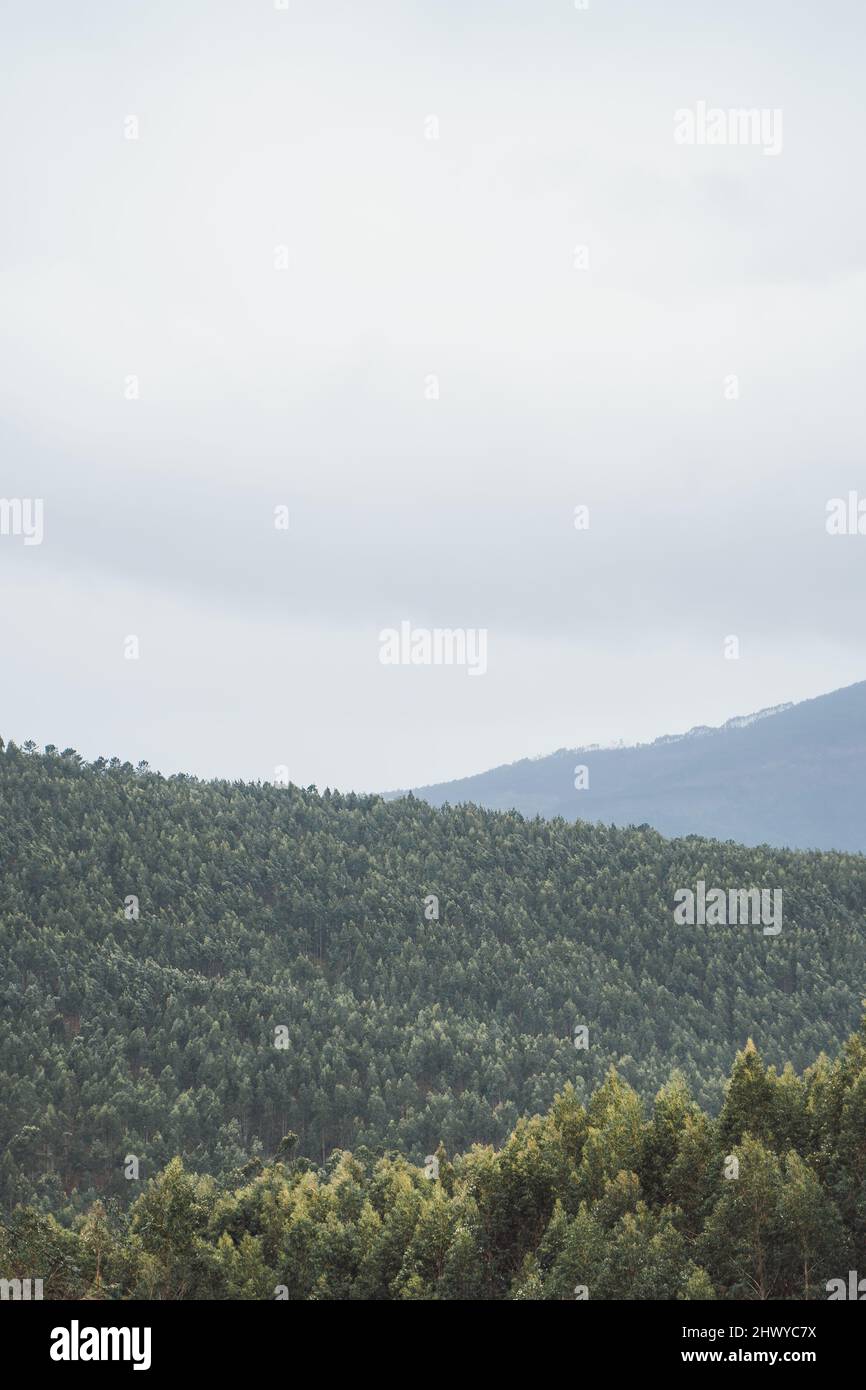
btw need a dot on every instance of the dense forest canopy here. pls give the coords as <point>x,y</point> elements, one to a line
<point>610,1200</point>
<point>200,968</point>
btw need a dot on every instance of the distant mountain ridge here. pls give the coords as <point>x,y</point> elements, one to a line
<point>739,721</point>
<point>791,775</point>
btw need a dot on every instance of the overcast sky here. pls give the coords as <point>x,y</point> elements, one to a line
<point>604,383</point>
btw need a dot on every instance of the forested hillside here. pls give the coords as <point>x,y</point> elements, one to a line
<point>793,777</point>
<point>607,1201</point>
<point>283,972</point>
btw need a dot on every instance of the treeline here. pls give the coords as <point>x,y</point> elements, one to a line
<point>198,968</point>
<point>766,1201</point>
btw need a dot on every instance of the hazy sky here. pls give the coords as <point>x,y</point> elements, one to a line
<point>302,138</point>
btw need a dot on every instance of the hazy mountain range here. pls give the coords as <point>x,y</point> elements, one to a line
<point>793,775</point>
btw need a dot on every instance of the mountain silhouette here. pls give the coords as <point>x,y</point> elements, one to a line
<point>793,775</point>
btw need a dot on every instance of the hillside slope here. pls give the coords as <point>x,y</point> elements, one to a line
<point>795,778</point>
<point>608,1200</point>
<point>282,975</point>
